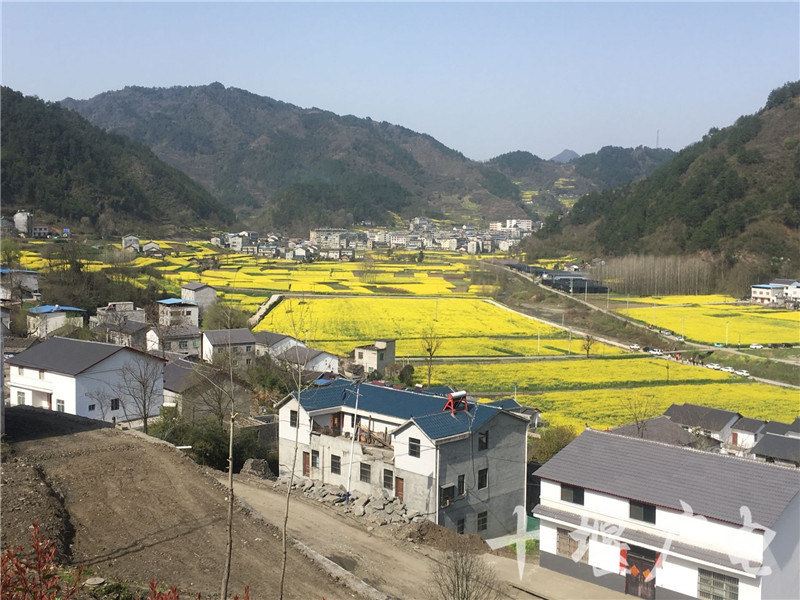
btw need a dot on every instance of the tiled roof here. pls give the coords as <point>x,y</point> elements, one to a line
<point>505,403</point>
<point>64,355</point>
<point>714,485</point>
<point>223,337</point>
<point>658,429</point>
<point>749,425</point>
<point>705,417</point>
<point>401,404</point>
<point>776,427</point>
<point>438,390</point>
<point>194,286</point>
<point>269,338</point>
<point>300,355</point>
<point>122,327</point>
<point>443,424</point>
<point>778,446</point>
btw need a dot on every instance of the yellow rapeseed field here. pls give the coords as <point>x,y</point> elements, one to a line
<point>745,324</point>
<point>677,300</point>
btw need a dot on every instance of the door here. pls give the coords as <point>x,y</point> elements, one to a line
<point>398,488</point>
<point>306,464</point>
<point>336,423</point>
<point>640,578</point>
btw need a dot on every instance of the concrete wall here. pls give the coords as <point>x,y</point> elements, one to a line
<point>782,555</point>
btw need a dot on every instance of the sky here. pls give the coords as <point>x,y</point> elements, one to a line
<point>483,78</point>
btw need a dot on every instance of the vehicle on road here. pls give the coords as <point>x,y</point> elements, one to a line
<point>656,352</point>
<point>742,373</point>
<point>665,332</point>
<point>714,366</point>
<point>718,345</point>
<point>756,347</point>
<point>727,369</point>
<point>635,347</point>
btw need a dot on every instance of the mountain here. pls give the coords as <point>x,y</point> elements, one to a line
<point>565,156</point>
<point>735,193</point>
<point>294,168</point>
<point>68,171</point>
<point>549,186</point>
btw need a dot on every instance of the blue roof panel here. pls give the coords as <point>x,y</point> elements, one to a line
<point>49,308</point>
<point>445,423</point>
<point>171,301</point>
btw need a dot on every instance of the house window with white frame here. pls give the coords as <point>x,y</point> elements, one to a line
<point>571,493</point>
<point>483,520</point>
<point>91,408</point>
<point>365,474</point>
<point>567,546</point>
<point>20,397</point>
<point>292,418</point>
<point>413,447</point>
<point>461,487</point>
<point>715,586</point>
<point>642,511</point>
<point>60,407</point>
<point>115,404</point>
<point>336,464</point>
<point>388,479</point>
<point>315,459</point>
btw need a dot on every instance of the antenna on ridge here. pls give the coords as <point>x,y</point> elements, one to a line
<point>657,132</point>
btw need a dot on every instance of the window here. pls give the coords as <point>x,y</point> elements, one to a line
<point>20,397</point>
<point>461,488</point>
<point>91,407</point>
<point>20,371</point>
<point>248,361</point>
<point>460,526</point>
<point>571,493</point>
<point>483,440</point>
<point>643,512</point>
<point>167,345</point>
<point>196,343</point>
<point>446,495</point>
<point>388,479</point>
<point>336,464</point>
<point>292,418</point>
<point>567,546</point>
<point>366,473</point>
<point>380,355</point>
<point>483,478</point>
<point>360,355</point>
<point>249,349</point>
<point>183,344</point>
<point>413,447</point>
<point>715,586</point>
<point>41,374</point>
<point>60,405</point>
<point>315,459</point>
<point>483,519</point>
<point>115,404</point>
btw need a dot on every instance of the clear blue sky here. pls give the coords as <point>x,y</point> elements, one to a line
<point>482,78</point>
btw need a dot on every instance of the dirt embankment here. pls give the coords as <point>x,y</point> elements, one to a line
<point>130,510</point>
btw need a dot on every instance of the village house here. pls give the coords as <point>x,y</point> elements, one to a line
<point>19,284</point>
<point>658,429</point>
<point>309,360</point>
<point>712,423</point>
<point>198,391</point>
<point>180,339</point>
<point>204,296</point>
<point>85,379</point>
<point>767,293</point>
<point>45,320</point>
<point>177,311</point>
<point>459,464</point>
<point>269,343</point>
<point>658,521</point>
<point>117,312</point>
<point>131,243</point>
<point>236,344</point>
<point>375,357</point>
<point>123,333</point>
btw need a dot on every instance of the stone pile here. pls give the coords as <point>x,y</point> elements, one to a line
<point>381,508</point>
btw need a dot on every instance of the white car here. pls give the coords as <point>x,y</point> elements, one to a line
<point>727,369</point>
<point>635,347</point>
<point>756,347</point>
<point>714,366</point>
<point>742,373</point>
<point>656,352</point>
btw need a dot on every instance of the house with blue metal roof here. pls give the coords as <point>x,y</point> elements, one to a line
<point>453,461</point>
<point>45,320</point>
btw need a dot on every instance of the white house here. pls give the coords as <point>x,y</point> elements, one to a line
<point>656,520</point>
<point>713,423</point>
<point>462,468</point>
<point>87,379</point>
<point>767,293</point>
<point>118,312</point>
<point>201,294</point>
<point>309,359</point>
<point>131,242</point>
<point>18,284</point>
<point>375,357</point>
<point>44,320</point>
<point>274,344</point>
<point>177,311</point>
<point>180,339</point>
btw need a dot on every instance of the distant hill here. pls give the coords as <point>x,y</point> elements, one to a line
<point>68,171</point>
<point>736,193</point>
<point>548,186</point>
<point>299,168</point>
<point>565,156</point>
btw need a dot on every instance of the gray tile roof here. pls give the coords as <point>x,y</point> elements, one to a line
<point>714,485</point>
<point>269,338</point>
<point>123,327</point>
<point>223,337</point>
<point>658,429</point>
<point>776,427</point>
<point>705,417</point>
<point>63,355</point>
<point>749,425</point>
<point>299,355</point>
<point>195,286</point>
<point>780,447</point>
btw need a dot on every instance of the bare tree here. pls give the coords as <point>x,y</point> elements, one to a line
<point>102,398</point>
<point>369,270</point>
<point>431,342</point>
<point>463,575</point>
<point>212,390</point>
<point>140,387</point>
<point>588,342</point>
<point>640,409</point>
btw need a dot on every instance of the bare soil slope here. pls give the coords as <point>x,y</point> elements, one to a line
<point>130,510</point>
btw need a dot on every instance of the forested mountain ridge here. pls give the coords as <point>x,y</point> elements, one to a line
<point>735,193</point>
<point>306,167</point>
<point>67,170</point>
